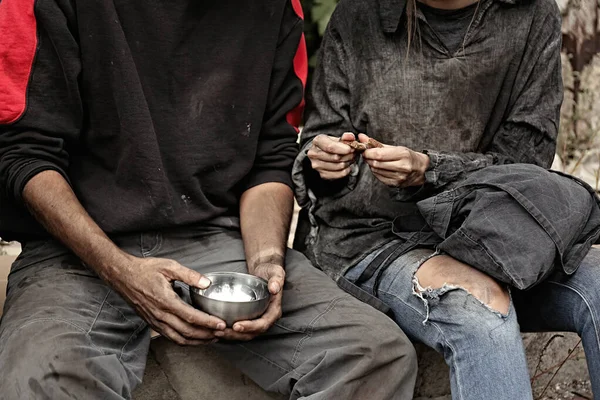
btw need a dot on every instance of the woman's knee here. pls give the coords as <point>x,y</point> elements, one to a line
<point>443,272</point>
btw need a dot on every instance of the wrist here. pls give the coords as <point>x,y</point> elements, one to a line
<point>269,256</point>
<point>110,262</point>
<point>420,164</point>
<point>424,162</point>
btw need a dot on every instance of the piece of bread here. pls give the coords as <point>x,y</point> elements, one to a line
<point>360,147</point>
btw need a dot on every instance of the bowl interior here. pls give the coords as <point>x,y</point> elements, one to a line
<point>234,287</point>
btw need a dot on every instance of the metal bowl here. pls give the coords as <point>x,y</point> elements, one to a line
<point>232,296</point>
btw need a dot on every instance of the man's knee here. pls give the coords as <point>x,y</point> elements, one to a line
<point>26,363</point>
<point>45,359</point>
<point>387,338</point>
<point>441,271</point>
<point>406,354</point>
<point>387,361</point>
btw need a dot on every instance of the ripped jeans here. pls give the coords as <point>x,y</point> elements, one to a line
<point>482,347</point>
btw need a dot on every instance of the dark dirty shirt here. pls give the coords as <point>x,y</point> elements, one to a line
<point>495,101</point>
<point>159,114</point>
<point>450,25</point>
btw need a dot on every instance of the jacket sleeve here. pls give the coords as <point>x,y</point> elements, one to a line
<point>278,141</point>
<point>328,111</point>
<point>530,128</point>
<point>40,104</point>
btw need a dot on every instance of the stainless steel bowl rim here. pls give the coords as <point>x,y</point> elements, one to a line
<point>209,274</point>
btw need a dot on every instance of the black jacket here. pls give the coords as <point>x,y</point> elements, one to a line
<point>517,223</point>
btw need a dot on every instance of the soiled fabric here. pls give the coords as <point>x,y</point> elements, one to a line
<point>450,25</point>
<point>159,114</point>
<point>495,101</point>
<point>65,334</point>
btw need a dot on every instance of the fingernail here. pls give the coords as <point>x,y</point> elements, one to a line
<point>238,328</point>
<point>220,326</point>
<point>275,287</point>
<point>219,333</point>
<point>204,283</point>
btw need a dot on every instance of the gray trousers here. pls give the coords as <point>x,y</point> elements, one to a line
<point>66,335</point>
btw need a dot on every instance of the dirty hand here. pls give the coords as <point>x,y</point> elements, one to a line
<point>248,330</point>
<point>396,166</point>
<point>330,157</point>
<point>146,283</point>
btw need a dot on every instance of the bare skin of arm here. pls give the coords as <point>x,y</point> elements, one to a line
<point>265,216</point>
<point>144,282</point>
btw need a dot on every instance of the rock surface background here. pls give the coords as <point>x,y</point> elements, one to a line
<point>578,151</point>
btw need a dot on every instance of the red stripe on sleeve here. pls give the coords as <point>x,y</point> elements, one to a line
<point>294,117</point>
<point>18,42</point>
<point>298,8</point>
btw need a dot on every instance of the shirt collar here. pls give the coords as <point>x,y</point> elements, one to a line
<point>391,11</point>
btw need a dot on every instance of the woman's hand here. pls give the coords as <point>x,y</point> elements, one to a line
<point>396,166</point>
<point>331,158</point>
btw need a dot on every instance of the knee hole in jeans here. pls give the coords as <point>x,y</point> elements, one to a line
<point>438,275</point>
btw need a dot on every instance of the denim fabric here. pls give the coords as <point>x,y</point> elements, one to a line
<point>496,100</point>
<point>66,334</point>
<point>482,347</point>
<point>568,304</point>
